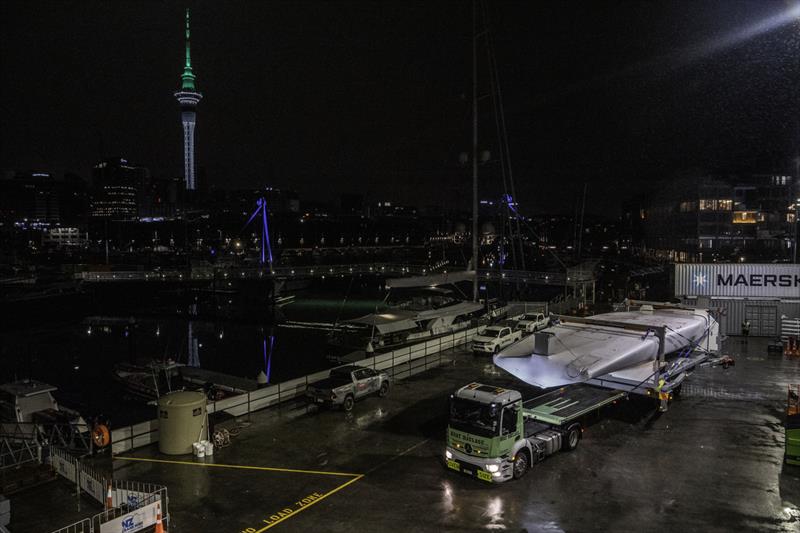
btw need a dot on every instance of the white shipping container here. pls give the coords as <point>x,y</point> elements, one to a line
<point>737,280</point>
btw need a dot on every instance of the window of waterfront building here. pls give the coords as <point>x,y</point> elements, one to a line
<point>747,217</point>
<point>715,204</point>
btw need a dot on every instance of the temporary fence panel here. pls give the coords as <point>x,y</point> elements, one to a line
<point>94,483</point>
<point>84,526</point>
<point>133,521</point>
<point>790,327</point>
<point>64,464</point>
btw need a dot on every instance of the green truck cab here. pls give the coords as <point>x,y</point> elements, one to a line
<point>495,436</point>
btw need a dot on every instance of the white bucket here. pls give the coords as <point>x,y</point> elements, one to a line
<point>194,449</point>
<point>209,448</point>
<point>201,451</point>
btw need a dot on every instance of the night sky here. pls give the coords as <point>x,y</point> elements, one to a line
<point>330,97</point>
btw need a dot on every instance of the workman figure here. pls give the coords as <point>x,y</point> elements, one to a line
<point>745,328</point>
<point>663,397</point>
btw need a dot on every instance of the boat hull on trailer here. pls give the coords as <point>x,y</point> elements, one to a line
<point>579,353</point>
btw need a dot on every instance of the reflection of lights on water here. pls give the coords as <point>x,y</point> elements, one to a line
<point>158,331</point>
<point>200,345</point>
<point>221,334</point>
<point>89,330</point>
<point>447,497</point>
<point>76,367</point>
<point>495,513</point>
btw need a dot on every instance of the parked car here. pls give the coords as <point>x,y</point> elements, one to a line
<point>346,384</point>
<point>532,322</point>
<point>495,338</point>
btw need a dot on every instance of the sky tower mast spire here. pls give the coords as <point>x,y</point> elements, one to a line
<point>188,98</point>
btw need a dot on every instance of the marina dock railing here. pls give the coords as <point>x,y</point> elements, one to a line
<point>399,364</point>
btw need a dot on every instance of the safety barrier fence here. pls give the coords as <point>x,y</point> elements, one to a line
<point>82,526</point>
<point>133,505</point>
<point>399,364</point>
<point>790,327</point>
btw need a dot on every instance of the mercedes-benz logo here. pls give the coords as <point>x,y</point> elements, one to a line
<point>468,447</point>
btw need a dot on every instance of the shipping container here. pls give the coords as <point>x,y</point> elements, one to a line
<point>737,280</point>
<point>765,316</point>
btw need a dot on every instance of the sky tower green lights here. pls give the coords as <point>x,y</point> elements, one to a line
<point>188,98</point>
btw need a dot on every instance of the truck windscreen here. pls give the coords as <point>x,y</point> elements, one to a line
<point>474,417</point>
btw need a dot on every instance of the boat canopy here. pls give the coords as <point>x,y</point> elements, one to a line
<point>461,308</point>
<point>385,323</point>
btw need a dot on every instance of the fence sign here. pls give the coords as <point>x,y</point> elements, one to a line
<point>131,522</point>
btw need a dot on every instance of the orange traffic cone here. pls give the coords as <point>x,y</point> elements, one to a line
<point>109,498</point>
<point>159,525</point>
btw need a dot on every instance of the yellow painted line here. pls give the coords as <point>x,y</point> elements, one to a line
<point>241,467</point>
<point>340,487</point>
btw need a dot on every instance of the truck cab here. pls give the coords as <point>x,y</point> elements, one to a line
<point>495,436</point>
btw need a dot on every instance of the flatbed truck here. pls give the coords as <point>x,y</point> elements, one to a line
<point>494,436</point>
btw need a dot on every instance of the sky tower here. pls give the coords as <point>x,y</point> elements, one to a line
<point>188,97</point>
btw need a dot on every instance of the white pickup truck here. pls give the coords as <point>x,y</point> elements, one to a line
<point>532,322</point>
<point>495,338</point>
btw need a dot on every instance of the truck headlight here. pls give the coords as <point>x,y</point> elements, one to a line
<point>492,468</point>
<point>448,454</point>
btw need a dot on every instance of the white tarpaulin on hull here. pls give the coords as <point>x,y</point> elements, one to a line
<point>580,352</point>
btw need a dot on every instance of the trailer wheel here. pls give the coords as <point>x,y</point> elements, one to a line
<point>347,405</point>
<point>572,437</point>
<point>384,390</point>
<point>522,462</point>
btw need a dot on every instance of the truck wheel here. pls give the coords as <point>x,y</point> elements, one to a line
<point>347,405</point>
<point>522,462</point>
<point>384,390</point>
<point>572,437</point>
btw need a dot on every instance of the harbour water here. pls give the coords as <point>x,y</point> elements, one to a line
<point>78,352</point>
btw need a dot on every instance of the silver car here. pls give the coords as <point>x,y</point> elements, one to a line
<point>346,384</point>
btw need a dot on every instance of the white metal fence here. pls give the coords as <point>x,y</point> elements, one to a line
<point>790,327</point>
<point>133,503</point>
<point>399,364</point>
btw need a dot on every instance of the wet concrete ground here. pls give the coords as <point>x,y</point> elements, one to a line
<point>714,462</point>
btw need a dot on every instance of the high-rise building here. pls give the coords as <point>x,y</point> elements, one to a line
<point>721,218</point>
<point>188,98</point>
<point>116,186</point>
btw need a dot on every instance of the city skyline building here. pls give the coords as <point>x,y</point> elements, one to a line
<point>188,97</point>
<point>116,187</point>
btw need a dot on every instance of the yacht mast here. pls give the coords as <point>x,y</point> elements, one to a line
<point>475,149</point>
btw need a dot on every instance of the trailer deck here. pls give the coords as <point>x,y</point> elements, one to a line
<point>566,404</point>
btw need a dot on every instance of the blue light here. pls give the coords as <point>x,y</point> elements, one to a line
<point>266,247</point>
<point>268,358</point>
